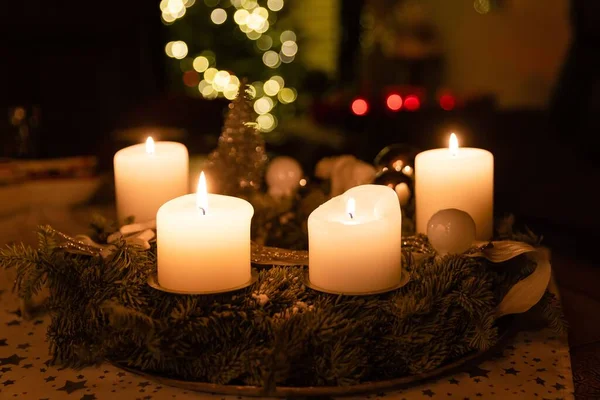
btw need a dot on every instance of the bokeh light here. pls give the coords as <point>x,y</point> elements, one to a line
<point>241,16</point>
<point>482,6</point>
<point>271,59</point>
<point>264,42</point>
<point>253,35</point>
<point>177,49</point>
<point>266,122</point>
<point>287,95</point>
<point>271,87</point>
<point>258,88</point>
<point>191,78</point>
<point>286,59</point>
<point>263,105</point>
<point>412,103</point>
<point>287,36</point>
<point>221,80</point>
<point>447,102</point>
<point>210,74</point>
<point>360,106</point>
<point>289,48</point>
<point>394,102</point>
<point>200,64</point>
<point>275,5</point>
<point>218,16</point>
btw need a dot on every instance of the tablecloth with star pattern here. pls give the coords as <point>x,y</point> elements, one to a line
<point>535,365</point>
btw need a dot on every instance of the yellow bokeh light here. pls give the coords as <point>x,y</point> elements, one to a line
<point>200,64</point>
<point>210,74</point>
<point>264,27</point>
<point>169,49</point>
<point>163,5</point>
<point>271,87</point>
<point>287,36</point>
<point>263,12</point>
<point>266,122</point>
<point>202,85</point>
<point>231,91</point>
<point>178,49</point>
<point>271,59</point>
<point>253,35</point>
<point>234,80</point>
<point>249,4</point>
<point>218,16</point>
<point>255,21</point>
<point>240,17</point>
<point>287,95</point>
<point>279,80</point>
<point>245,28</point>
<point>275,5</point>
<point>188,3</point>
<point>175,7</point>
<point>258,88</point>
<point>236,3</point>
<point>263,105</point>
<point>209,92</point>
<point>168,18</point>
<point>221,80</point>
<point>264,43</point>
<point>482,6</point>
<point>289,48</point>
<point>286,59</point>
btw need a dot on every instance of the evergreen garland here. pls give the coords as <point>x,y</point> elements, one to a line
<point>274,333</point>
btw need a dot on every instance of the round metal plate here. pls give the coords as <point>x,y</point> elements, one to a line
<point>507,328</point>
<point>404,279</point>
<point>153,283</point>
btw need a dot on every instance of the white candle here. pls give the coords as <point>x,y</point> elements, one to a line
<point>355,241</point>
<point>454,177</point>
<point>203,242</point>
<point>147,176</point>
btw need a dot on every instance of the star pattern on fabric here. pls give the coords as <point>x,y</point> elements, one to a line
<point>27,366</point>
<point>88,397</point>
<point>540,381</point>
<point>71,386</point>
<point>23,346</point>
<point>558,386</point>
<point>478,371</point>
<point>14,322</point>
<point>12,360</point>
<point>3,342</point>
<point>511,371</point>
<point>428,393</point>
<point>80,376</point>
<point>144,384</point>
<point>453,381</point>
<point>8,382</point>
<point>50,379</point>
<point>5,369</point>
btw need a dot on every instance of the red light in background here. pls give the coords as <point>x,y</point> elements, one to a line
<point>394,102</point>
<point>412,103</point>
<point>191,78</point>
<point>360,106</point>
<point>447,102</point>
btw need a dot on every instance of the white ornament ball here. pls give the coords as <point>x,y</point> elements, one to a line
<point>283,176</point>
<point>451,231</point>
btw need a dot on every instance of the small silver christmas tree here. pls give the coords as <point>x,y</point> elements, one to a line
<point>237,166</point>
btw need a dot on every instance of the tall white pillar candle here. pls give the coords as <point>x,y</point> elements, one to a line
<point>203,242</point>
<point>454,177</point>
<point>355,241</point>
<point>147,176</point>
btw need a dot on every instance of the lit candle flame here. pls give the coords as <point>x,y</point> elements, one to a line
<point>453,144</point>
<point>202,194</point>
<point>351,207</point>
<point>150,145</point>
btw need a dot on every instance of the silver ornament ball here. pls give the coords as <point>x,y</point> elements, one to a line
<point>451,231</point>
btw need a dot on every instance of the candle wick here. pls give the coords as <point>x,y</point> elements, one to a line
<point>351,215</point>
<point>203,210</point>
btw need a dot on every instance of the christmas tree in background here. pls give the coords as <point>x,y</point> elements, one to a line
<point>237,165</point>
<point>217,41</point>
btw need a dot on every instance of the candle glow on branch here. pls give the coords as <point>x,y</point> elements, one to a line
<point>202,194</point>
<point>453,144</point>
<point>351,207</point>
<point>150,145</point>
